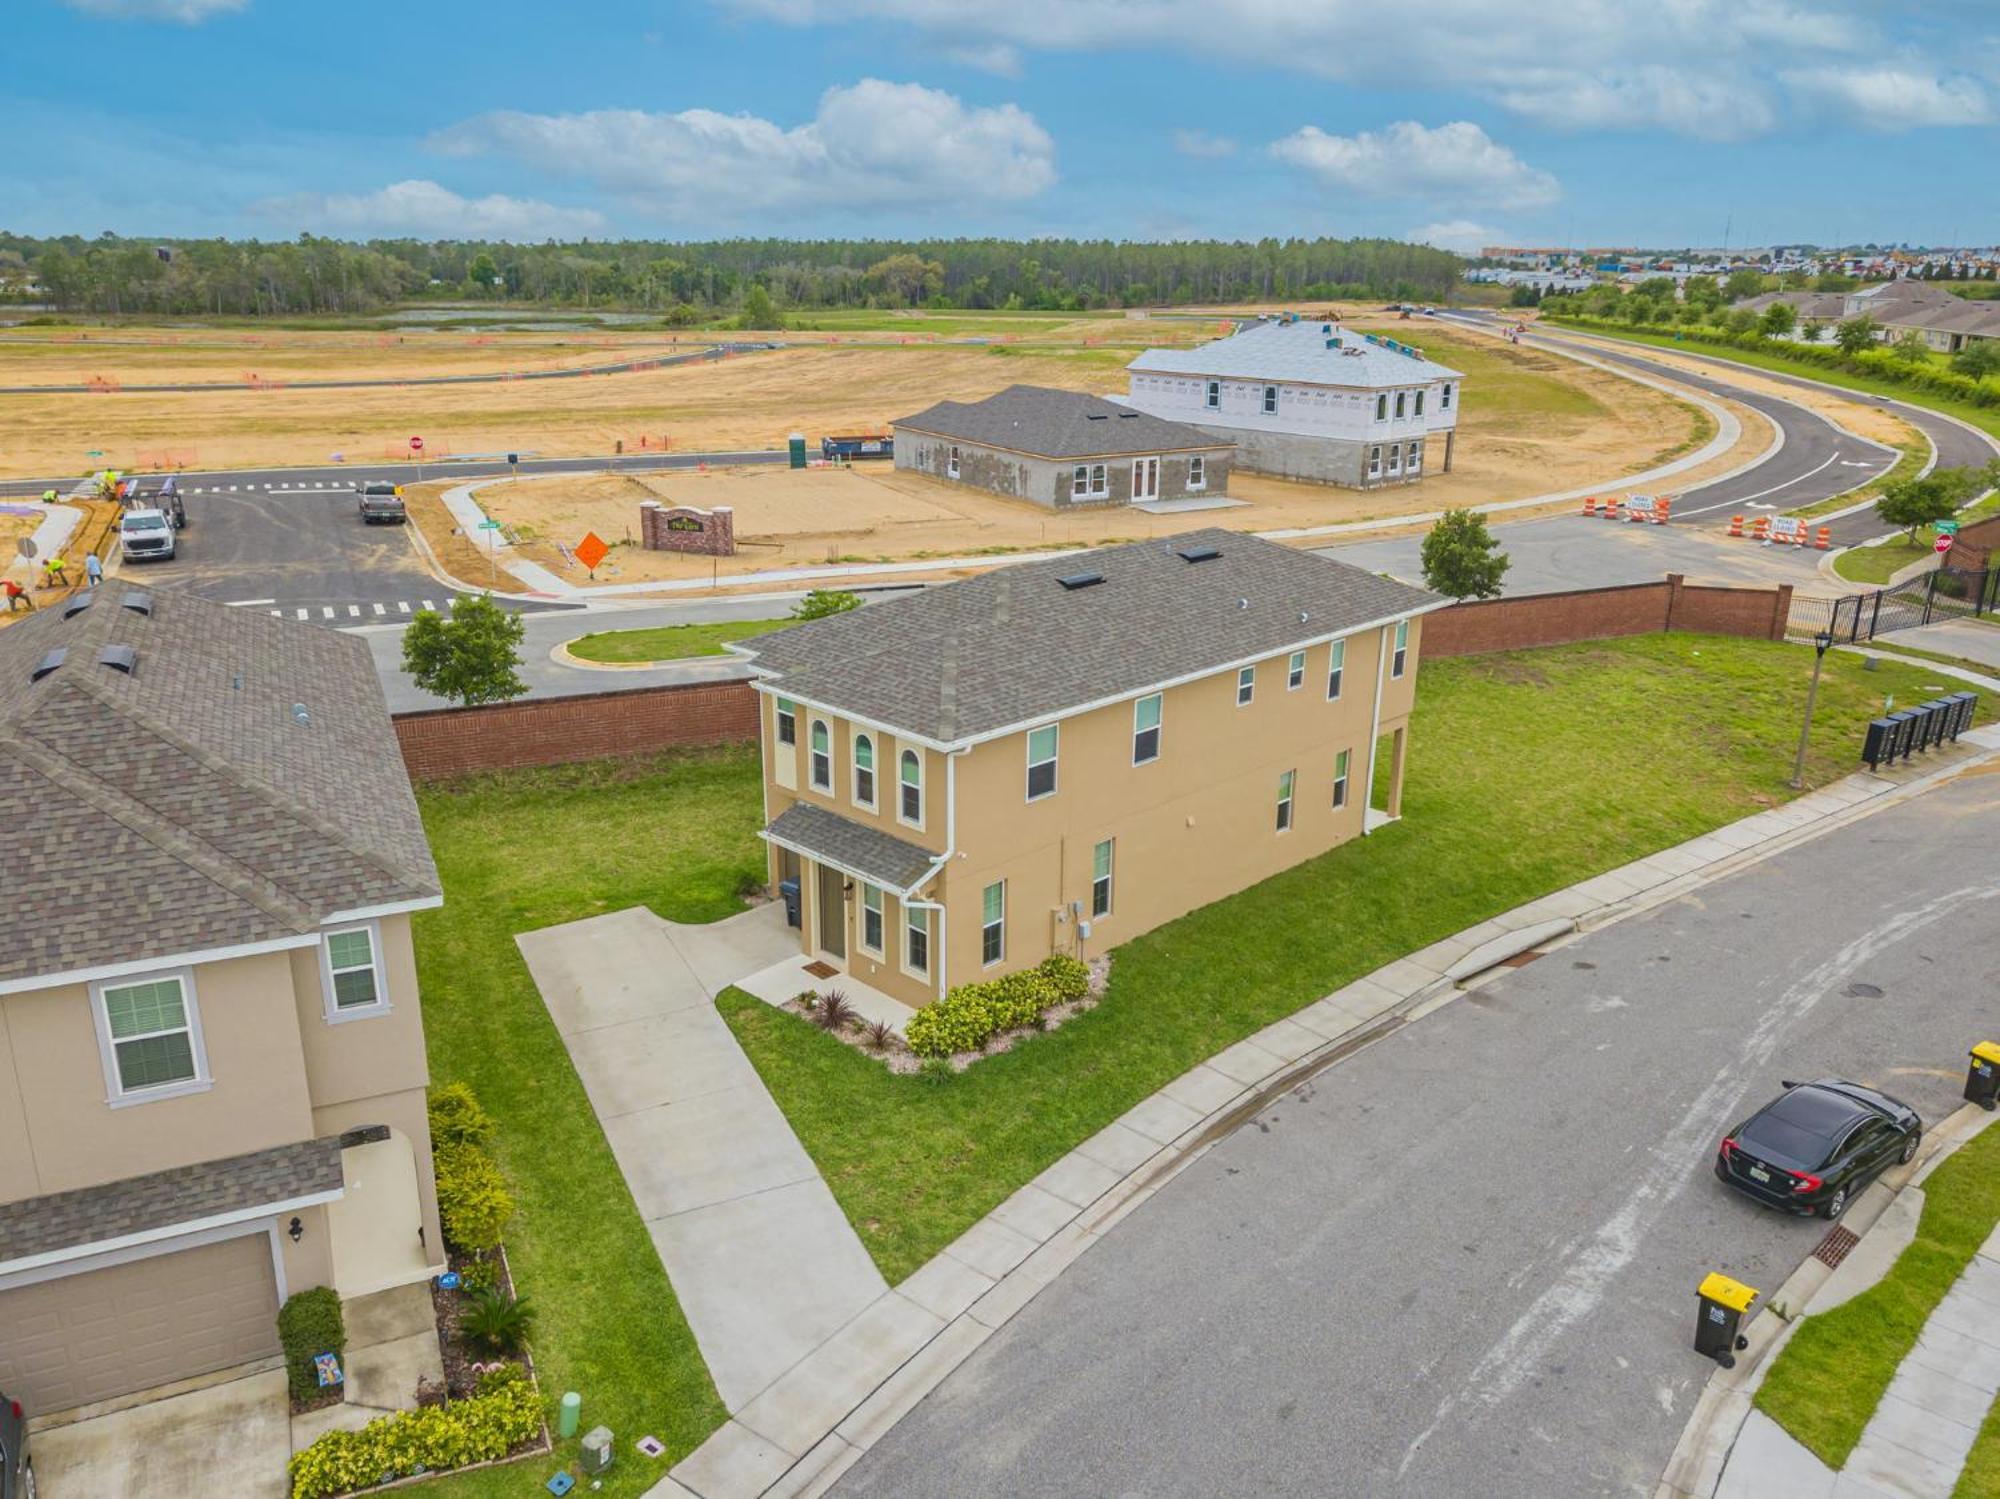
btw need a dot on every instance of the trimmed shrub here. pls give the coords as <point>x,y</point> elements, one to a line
<point>500,1417</point>
<point>457,1117</point>
<point>473,1202</point>
<point>494,1322</point>
<point>972,1014</point>
<point>309,1323</point>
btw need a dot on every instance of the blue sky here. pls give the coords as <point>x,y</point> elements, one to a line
<point>1457,121</point>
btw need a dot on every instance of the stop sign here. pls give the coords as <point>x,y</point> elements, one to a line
<point>1941,545</point>
<point>416,444</point>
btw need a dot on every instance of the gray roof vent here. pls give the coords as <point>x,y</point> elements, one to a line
<point>77,604</point>
<point>1198,554</point>
<point>1074,581</point>
<point>1097,416</point>
<point>1127,415</point>
<point>118,658</point>
<point>299,714</point>
<point>137,601</point>
<point>49,663</point>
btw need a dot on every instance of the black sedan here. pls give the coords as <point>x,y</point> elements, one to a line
<point>17,1474</point>
<point>1814,1147</point>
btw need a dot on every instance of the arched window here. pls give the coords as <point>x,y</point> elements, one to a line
<point>822,756</point>
<point>910,775</point>
<point>864,771</point>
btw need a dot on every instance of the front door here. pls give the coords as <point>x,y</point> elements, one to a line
<point>832,905</point>
<point>1146,479</point>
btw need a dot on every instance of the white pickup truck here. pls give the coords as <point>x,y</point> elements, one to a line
<point>144,535</point>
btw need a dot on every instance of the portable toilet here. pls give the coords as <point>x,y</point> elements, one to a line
<point>798,447</point>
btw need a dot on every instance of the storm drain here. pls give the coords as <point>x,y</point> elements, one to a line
<point>1521,959</point>
<point>1833,1248</point>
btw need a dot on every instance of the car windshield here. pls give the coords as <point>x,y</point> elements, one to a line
<point>145,523</point>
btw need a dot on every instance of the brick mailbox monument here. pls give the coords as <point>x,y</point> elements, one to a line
<point>685,528</point>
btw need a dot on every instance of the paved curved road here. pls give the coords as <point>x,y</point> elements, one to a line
<point>1462,1262</point>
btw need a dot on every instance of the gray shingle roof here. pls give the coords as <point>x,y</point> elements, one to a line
<point>181,1194</point>
<point>964,659</point>
<point>876,856</point>
<point>183,805</point>
<point>1297,352</point>
<point>1062,424</point>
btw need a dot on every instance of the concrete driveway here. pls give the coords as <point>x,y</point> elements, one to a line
<point>231,1438</point>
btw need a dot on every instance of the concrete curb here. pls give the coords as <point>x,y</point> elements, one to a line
<point>1991,684</point>
<point>1701,1458</point>
<point>817,1420</point>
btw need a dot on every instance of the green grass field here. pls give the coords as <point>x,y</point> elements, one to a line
<point>1827,1380</point>
<point>1506,801</point>
<point>1981,1478</point>
<point>669,642</point>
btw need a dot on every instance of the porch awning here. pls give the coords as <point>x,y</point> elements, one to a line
<point>853,848</point>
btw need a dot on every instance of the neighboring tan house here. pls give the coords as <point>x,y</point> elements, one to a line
<point>1309,400</point>
<point>1061,448</point>
<point>212,1065</point>
<point>1057,756</point>
<point>1945,322</point>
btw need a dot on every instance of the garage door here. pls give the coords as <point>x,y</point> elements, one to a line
<point>148,1322</point>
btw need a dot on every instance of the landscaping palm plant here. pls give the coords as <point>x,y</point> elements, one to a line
<point>495,1322</point>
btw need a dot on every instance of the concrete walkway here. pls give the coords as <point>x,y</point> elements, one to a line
<point>765,1264</point>
<point>1952,637</point>
<point>817,1421</point>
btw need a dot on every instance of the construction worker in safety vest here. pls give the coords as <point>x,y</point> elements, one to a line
<point>53,574</point>
<point>48,497</point>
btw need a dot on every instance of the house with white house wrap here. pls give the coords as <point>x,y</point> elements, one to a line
<point>1307,399</point>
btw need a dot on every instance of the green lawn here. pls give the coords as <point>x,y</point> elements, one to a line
<point>524,850</point>
<point>1507,799</point>
<point>1877,564</point>
<point>1828,1379</point>
<point>1981,1478</point>
<point>670,642</point>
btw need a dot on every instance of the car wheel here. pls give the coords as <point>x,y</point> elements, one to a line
<point>1835,1205</point>
<point>28,1482</point>
<point>1909,1150</point>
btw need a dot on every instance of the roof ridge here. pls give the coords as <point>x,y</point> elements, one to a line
<point>169,837</point>
<point>219,766</point>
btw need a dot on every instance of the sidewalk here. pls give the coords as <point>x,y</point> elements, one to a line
<point>817,1421</point>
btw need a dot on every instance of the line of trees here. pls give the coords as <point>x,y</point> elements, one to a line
<point>315,276</point>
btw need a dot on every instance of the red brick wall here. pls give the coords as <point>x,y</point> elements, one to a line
<point>444,742</point>
<point>1977,546</point>
<point>1472,629</point>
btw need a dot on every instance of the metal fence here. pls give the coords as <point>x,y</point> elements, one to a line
<point>1947,593</point>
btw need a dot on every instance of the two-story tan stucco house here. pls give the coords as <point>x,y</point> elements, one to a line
<point>212,1065</point>
<point>1060,755</point>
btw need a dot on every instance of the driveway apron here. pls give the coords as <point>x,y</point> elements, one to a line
<point>734,1204</point>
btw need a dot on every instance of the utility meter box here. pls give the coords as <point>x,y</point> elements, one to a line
<point>597,1449</point>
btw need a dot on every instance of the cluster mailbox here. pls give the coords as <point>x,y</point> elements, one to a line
<point>1894,737</point>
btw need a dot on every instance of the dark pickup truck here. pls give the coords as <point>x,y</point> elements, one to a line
<point>17,1474</point>
<point>381,501</point>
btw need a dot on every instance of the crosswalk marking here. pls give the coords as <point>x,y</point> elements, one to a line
<point>327,611</point>
<point>402,607</point>
<point>381,609</point>
<point>430,606</point>
<point>302,613</point>
<point>363,609</point>
<point>354,611</point>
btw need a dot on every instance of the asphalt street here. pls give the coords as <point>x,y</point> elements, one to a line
<point>1463,1261</point>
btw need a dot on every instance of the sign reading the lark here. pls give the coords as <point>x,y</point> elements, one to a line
<point>686,528</point>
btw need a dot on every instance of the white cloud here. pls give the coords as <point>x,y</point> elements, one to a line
<point>872,145</point>
<point>424,210</point>
<point>998,58</point>
<point>1453,163</point>
<point>187,12</point>
<point>1708,68</point>
<point>1892,98</point>
<point>1202,146</point>
<point>1462,235</point>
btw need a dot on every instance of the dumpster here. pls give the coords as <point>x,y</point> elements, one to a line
<point>1722,1303</point>
<point>789,889</point>
<point>1982,1078</point>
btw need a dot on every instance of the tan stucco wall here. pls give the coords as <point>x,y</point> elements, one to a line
<point>309,1262</point>
<point>75,1139</point>
<point>367,1055</point>
<point>404,1111</point>
<point>781,792</point>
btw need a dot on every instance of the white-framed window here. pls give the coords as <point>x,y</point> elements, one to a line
<point>1413,458</point>
<point>1089,481</point>
<point>1100,481</point>
<point>1246,686</point>
<point>1375,461</point>
<point>916,940</point>
<point>1336,668</point>
<point>788,721</point>
<point>910,788</point>
<point>951,463</point>
<point>1286,782</point>
<point>1042,746</point>
<point>1444,398</point>
<point>149,1037</point>
<point>871,919</point>
<point>1419,410</point>
<point>993,923</point>
<point>1214,395</point>
<point>351,972</point>
<point>1146,730</point>
<point>864,771</point>
<point>1341,762</point>
<point>1197,472</point>
<point>1270,400</point>
<point>1400,399</point>
<point>1295,671</point>
<point>1398,661</point>
<point>822,756</point>
<point>1395,457</point>
<point>1100,878</point>
<point>1382,408</point>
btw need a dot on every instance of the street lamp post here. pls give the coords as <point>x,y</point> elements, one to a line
<point>1822,643</point>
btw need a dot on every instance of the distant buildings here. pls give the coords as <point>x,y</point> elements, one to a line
<point>1945,322</point>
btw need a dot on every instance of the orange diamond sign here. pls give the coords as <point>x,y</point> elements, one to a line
<point>591,550</point>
